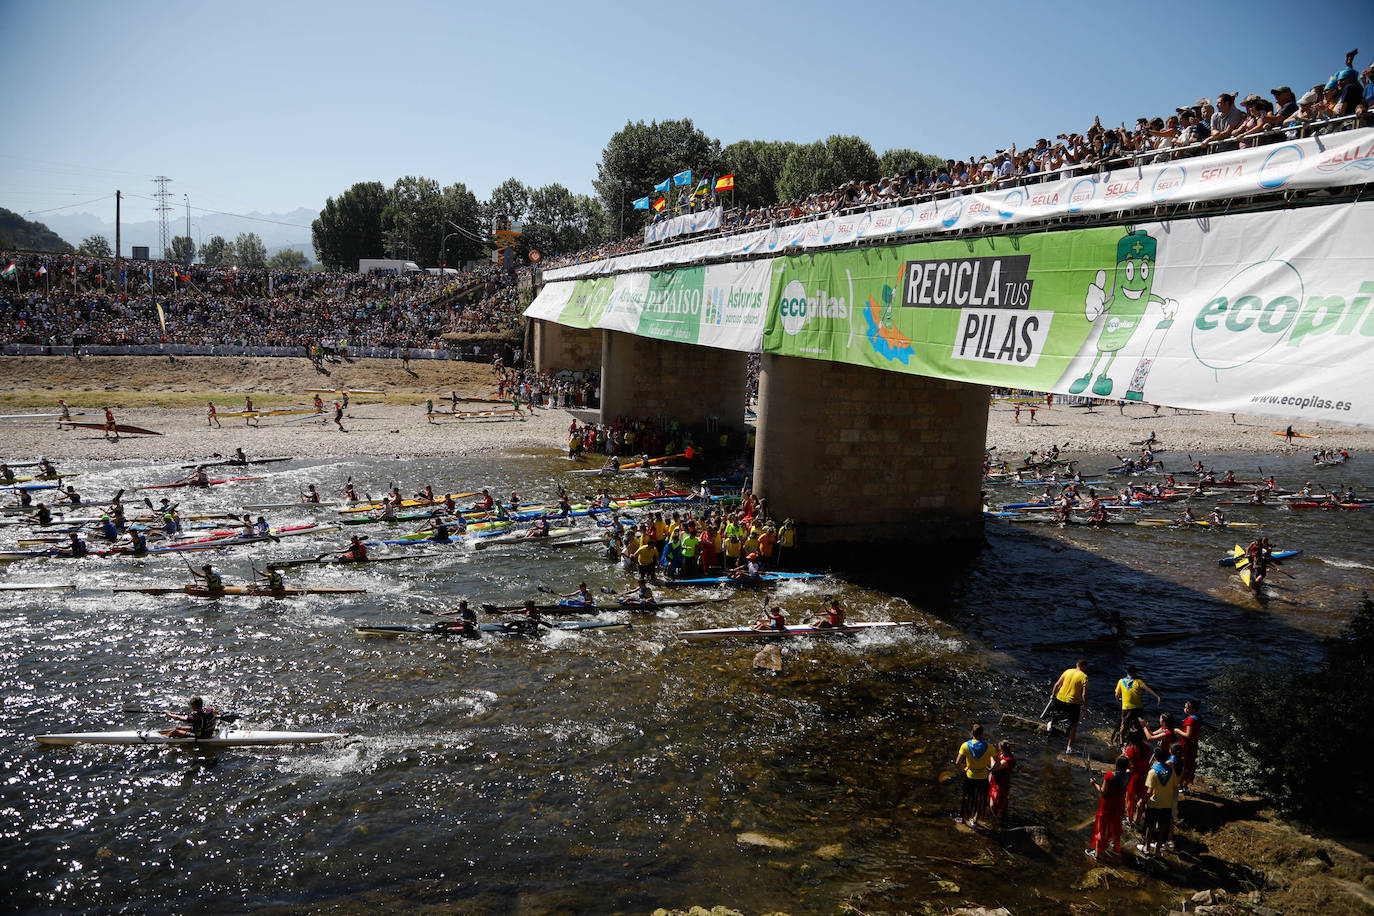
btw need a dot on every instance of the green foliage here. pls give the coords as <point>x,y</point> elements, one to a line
<point>249,251</point>
<point>24,235</point>
<point>95,246</point>
<point>757,166</point>
<point>183,250</point>
<point>288,259</point>
<point>1290,735</point>
<point>822,166</point>
<point>897,161</point>
<point>640,155</point>
<point>350,227</point>
<point>215,252</point>
<point>510,199</point>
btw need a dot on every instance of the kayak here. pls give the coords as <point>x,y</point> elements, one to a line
<point>1073,521</point>
<point>1278,555</point>
<point>266,507</point>
<point>187,483</point>
<point>26,586</point>
<point>341,561</point>
<point>202,592</point>
<point>652,461</point>
<point>437,503</point>
<point>674,469</point>
<point>795,630</point>
<point>1280,432</point>
<point>570,607</point>
<point>231,462</point>
<point>1205,523</point>
<point>514,628</point>
<point>227,737</point>
<point>1316,505</point>
<point>119,428</point>
<point>727,580</point>
<point>554,534</point>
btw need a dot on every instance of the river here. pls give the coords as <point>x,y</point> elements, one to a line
<point>599,772</point>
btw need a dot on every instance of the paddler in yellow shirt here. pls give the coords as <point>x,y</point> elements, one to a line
<point>751,541</point>
<point>1068,699</point>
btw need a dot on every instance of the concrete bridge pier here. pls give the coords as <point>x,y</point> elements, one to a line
<point>557,346</point>
<point>859,456</point>
<point>643,377</point>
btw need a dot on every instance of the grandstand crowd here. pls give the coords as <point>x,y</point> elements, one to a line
<point>1229,121</point>
<point>59,299</point>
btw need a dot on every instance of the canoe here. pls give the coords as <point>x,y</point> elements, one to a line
<point>202,592</point>
<point>33,586</point>
<point>514,628</point>
<point>187,483</point>
<point>228,737</point>
<point>795,630</point>
<point>119,428</point>
<point>567,607</point>
<point>727,580</point>
<point>1278,555</point>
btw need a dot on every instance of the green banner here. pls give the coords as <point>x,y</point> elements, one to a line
<point>672,310</point>
<point>587,303</point>
<point>1005,310</point>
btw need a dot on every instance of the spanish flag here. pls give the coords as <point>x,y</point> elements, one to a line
<point>660,204</point>
<point>725,183</point>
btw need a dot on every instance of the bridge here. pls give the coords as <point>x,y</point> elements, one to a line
<point>1237,281</point>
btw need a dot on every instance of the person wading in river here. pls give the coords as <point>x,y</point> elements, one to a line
<point>975,759</point>
<point>1068,699</point>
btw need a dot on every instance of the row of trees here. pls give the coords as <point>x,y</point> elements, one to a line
<point>419,220</point>
<point>247,250</point>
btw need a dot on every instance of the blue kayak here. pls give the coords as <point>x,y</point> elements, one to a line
<point>727,580</point>
<point>1278,555</point>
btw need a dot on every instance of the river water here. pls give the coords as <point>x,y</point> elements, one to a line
<point>601,772</point>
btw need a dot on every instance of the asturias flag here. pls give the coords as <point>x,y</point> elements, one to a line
<point>725,182</point>
<point>662,186</point>
<point>682,179</point>
<point>642,203</point>
<point>660,204</point>
<point>9,271</point>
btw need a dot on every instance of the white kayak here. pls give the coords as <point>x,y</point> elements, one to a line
<point>224,737</point>
<point>794,630</point>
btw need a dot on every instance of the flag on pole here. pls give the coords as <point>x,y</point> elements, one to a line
<point>660,204</point>
<point>42,269</point>
<point>682,179</point>
<point>725,183</point>
<point>642,203</point>
<point>162,319</point>
<point>703,188</point>
<point>9,271</point>
<point>662,186</point>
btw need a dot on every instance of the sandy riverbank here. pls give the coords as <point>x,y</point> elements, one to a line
<point>169,396</point>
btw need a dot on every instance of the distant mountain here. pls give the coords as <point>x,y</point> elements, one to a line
<point>19,233</point>
<point>295,234</point>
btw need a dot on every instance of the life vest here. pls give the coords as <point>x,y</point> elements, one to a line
<point>214,582</point>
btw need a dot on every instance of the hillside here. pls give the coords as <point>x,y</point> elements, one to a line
<point>19,234</point>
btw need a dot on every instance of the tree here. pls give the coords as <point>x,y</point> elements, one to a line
<point>288,259</point>
<point>419,214</point>
<point>640,155</point>
<point>560,221</point>
<point>183,250</point>
<point>17,232</point>
<point>215,252</point>
<point>898,161</point>
<point>510,199</point>
<point>824,166</point>
<point>350,227</point>
<point>249,251</point>
<point>95,246</point>
<point>757,166</point>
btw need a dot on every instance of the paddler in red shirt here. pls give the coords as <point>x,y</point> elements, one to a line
<point>776,620</point>
<point>110,424</point>
<point>356,552</point>
<point>834,616</point>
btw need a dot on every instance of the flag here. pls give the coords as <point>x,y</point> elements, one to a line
<point>725,182</point>
<point>682,179</point>
<point>42,269</point>
<point>703,188</point>
<point>162,319</point>
<point>150,275</point>
<point>642,203</point>
<point>660,204</point>
<point>9,271</point>
<point>662,186</point>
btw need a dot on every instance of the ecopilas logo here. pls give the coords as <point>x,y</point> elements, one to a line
<point>1267,304</point>
<point>796,308</point>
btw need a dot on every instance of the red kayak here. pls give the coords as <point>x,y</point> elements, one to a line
<point>666,494</point>
<point>188,483</point>
<point>1306,505</point>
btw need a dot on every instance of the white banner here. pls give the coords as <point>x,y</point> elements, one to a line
<point>686,224</point>
<point>1335,160</point>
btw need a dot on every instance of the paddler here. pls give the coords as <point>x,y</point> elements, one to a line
<point>108,529</point>
<point>214,582</point>
<point>514,505</point>
<point>6,473</point>
<point>640,596</point>
<point>1186,517</point>
<point>426,495</point>
<point>338,416</point>
<point>530,623</point>
<point>311,495</point>
<point>111,427</point>
<point>484,503</point>
<point>70,495</point>
<point>834,616</point>
<point>611,464</point>
<point>439,531</point>
<point>46,469</point>
<point>272,580</point>
<point>260,527</point>
<point>356,552</point>
<point>389,507</point>
<point>582,597</point>
<point>750,569</point>
<point>238,457</point>
<point>66,411</point>
<point>199,722</point>
<point>198,477</point>
<point>44,515</point>
<point>1217,517</point>
<point>540,528</point>
<point>776,619</point>
<point>319,404</point>
<point>211,416</point>
<point>350,494</point>
<point>138,542</point>
<point>77,547</point>
<point>246,529</point>
<point>467,618</point>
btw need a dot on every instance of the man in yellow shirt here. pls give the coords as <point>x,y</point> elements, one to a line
<point>1130,691</point>
<point>975,758</point>
<point>1068,698</point>
<point>646,558</point>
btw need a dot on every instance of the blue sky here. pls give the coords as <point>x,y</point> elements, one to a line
<point>271,106</point>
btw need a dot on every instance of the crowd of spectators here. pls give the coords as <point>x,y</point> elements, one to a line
<point>61,299</point>
<point>541,389</point>
<point>1343,101</point>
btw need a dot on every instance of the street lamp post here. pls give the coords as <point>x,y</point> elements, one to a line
<point>200,238</point>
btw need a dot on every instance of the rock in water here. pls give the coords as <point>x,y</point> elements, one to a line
<point>769,659</point>
<point>750,838</point>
